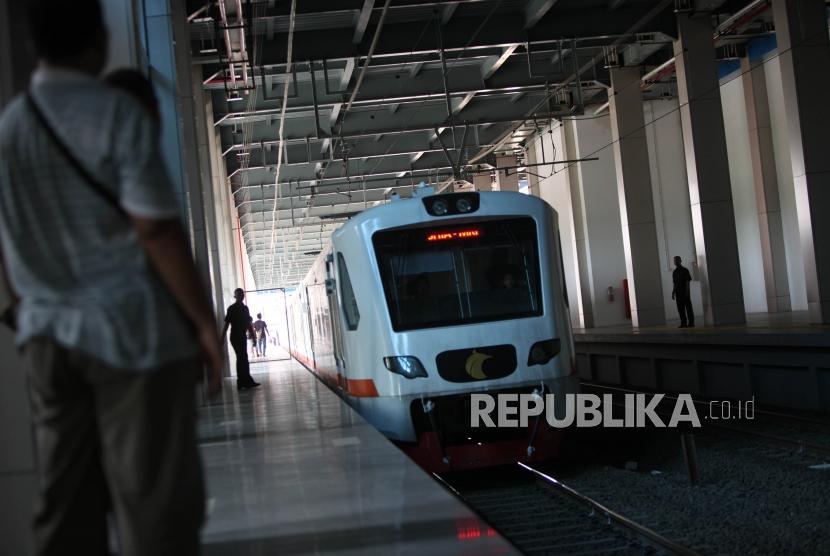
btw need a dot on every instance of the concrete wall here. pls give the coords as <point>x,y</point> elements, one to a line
<point>743,193</point>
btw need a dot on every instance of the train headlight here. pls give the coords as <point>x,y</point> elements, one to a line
<point>542,352</point>
<point>463,204</point>
<point>405,365</point>
<point>440,208</point>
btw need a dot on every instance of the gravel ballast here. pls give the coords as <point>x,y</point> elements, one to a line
<point>752,499</point>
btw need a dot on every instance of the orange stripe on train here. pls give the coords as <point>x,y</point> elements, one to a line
<point>361,387</point>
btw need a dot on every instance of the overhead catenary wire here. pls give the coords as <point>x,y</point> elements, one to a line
<point>277,193</point>
<point>368,60</point>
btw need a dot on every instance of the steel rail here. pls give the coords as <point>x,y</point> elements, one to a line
<point>641,531</point>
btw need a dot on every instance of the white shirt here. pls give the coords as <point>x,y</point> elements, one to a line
<point>76,263</point>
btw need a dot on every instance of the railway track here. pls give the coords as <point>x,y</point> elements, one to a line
<point>541,515</point>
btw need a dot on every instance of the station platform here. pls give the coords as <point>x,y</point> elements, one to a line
<point>779,359</point>
<point>291,469</point>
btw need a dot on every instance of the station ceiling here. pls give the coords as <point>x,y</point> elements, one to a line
<point>325,108</point>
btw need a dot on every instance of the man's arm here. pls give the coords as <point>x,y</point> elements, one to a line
<point>166,246</point>
<point>224,331</point>
<point>7,312</point>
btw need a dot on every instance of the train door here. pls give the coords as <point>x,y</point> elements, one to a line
<point>310,324</point>
<point>334,311</point>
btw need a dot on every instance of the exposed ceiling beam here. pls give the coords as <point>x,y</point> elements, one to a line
<point>536,10</point>
<point>656,12</point>
<point>509,28</point>
<point>463,102</point>
<point>493,64</point>
<point>356,155</point>
<point>394,128</point>
<point>348,71</point>
<point>269,115</point>
<point>354,180</point>
<point>447,12</point>
<point>363,21</point>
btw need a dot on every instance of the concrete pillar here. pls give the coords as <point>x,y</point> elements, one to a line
<point>166,25</point>
<point>707,167</point>
<point>765,176</point>
<point>507,180</point>
<point>224,215</point>
<point>532,172</point>
<point>203,116</point>
<point>639,227</point>
<point>804,53</point>
<point>482,182</point>
<point>586,286</point>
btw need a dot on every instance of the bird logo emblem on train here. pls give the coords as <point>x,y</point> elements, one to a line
<point>479,363</point>
<point>474,364</point>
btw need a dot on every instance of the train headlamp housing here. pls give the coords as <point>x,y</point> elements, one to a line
<point>406,366</point>
<point>544,351</point>
<point>440,208</point>
<point>463,204</point>
<point>451,204</point>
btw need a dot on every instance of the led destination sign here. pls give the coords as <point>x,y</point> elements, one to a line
<point>468,233</point>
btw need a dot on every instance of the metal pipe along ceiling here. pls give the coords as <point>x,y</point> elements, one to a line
<point>368,61</point>
<point>280,150</point>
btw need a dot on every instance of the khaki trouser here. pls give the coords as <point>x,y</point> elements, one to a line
<point>108,438</point>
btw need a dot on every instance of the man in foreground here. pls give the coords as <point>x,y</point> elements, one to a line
<point>111,316</point>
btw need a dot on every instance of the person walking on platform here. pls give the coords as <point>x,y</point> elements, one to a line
<point>261,330</point>
<point>238,318</point>
<point>682,294</point>
<point>111,316</point>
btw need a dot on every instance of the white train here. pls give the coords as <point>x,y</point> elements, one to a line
<point>417,303</point>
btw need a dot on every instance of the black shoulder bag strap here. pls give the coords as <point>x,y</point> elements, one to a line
<point>93,183</point>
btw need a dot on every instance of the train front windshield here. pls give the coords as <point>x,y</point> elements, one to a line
<point>451,275</point>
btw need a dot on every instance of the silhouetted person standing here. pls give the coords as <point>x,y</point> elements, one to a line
<point>682,295</point>
<point>112,316</point>
<point>239,319</point>
<point>261,330</point>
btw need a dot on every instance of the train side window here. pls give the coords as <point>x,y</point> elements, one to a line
<point>350,310</point>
